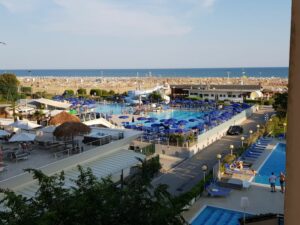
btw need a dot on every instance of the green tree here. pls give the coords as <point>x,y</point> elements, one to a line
<point>95,92</point>
<point>280,104</point>
<point>68,92</point>
<point>9,86</point>
<point>26,90</point>
<point>81,91</point>
<point>90,202</point>
<point>9,90</point>
<point>155,97</point>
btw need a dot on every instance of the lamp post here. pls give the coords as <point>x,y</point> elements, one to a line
<point>244,206</point>
<point>242,139</point>
<point>204,169</point>
<point>231,149</point>
<point>257,126</point>
<point>219,156</point>
<point>250,132</point>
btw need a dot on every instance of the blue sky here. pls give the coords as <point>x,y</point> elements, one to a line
<point>143,33</point>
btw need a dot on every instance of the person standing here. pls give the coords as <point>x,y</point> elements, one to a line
<point>282,181</point>
<point>272,181</point>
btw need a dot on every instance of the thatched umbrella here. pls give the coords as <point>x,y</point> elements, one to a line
<point>63,117</point>
<point>71,129</point>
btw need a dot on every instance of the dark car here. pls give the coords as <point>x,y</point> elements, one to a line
<point>235,130</point>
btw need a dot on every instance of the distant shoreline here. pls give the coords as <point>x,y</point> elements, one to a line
<point>163,73</point>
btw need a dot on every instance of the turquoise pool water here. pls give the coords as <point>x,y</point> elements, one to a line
<point>112,108</point>
<point>217,216</point>
<point>275,163</point>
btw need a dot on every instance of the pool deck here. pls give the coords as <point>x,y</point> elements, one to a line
<point>261,200</point>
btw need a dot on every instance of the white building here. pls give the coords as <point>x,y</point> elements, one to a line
<point>235,93</point>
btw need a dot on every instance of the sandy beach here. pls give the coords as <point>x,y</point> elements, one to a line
<point>57,85</point>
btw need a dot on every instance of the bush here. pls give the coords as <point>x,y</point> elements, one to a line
<point>26,90</point>
<point>95,92</point>
<point>68,92</point>
<point>229,158</point>
<point>81,91</point>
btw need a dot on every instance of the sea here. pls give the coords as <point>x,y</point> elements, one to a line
<point>281,72</point>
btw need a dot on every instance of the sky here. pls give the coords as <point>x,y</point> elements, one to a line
<point>114,34</point>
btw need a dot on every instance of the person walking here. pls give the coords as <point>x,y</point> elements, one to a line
<point>272,181</point>
<point>282,181</point>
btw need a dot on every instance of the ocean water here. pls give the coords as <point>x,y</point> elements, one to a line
<point>192,72</point>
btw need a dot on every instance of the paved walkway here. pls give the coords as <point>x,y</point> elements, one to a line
<point>187,174</point>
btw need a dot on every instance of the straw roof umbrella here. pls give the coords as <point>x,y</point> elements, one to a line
<point>63,117</point>
<point>71,129</point>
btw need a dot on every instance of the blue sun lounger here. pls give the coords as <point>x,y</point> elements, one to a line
<point>217,191</point>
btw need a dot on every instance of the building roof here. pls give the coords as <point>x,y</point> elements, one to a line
<point>226,87</point>
<point>101,167</point>
<point>49,102</point>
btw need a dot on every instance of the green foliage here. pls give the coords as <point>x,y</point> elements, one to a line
<point>194,98</point>
<point>68,92</point>
<point>155,97</point>
<point>148,150</point>
<point>9,86</point>
<point>81,91</point>
<point>26,90</point>
<point>39,94</point>
<point>275,127</point>
<point>229,158</point>
<point>90,202</point>
<point>280,104</point>
<point>95,92</point>
<point>177,139</point>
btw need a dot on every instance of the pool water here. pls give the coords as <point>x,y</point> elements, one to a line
<point>275,163</point>
<point>110,109</point>
<point>217,216</point>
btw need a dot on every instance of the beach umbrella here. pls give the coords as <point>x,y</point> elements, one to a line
<point>71,129</point>
<point>4,133</point>
<point>48,129</point>
<point>25,125</point>
<point>162,120</point>
<point>123,117</point>
<point>152,118</point>
<point>155,125</point>
<point>142,118</point>
<point>193,120</point>
<point>63,117</point>
<point>22,137</point>
<point>182,122</point>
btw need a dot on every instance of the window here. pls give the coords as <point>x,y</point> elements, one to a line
<point>212,95</point>
<point>233,96</point>
<point>206,95</point>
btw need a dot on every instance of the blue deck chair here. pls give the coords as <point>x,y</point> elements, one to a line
<point>217,191</point>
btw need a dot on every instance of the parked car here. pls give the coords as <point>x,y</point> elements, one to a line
<point>235,130</point>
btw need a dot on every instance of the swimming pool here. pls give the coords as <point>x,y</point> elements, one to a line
<point>114,108</point>
<point>217,216</point>
<point>274,163</point>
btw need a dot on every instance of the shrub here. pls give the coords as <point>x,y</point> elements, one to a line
<point>81,91</point>
<point>68,92</point>
<point>95,92</point>
<point>26,90</point>
<point>229,158</point>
